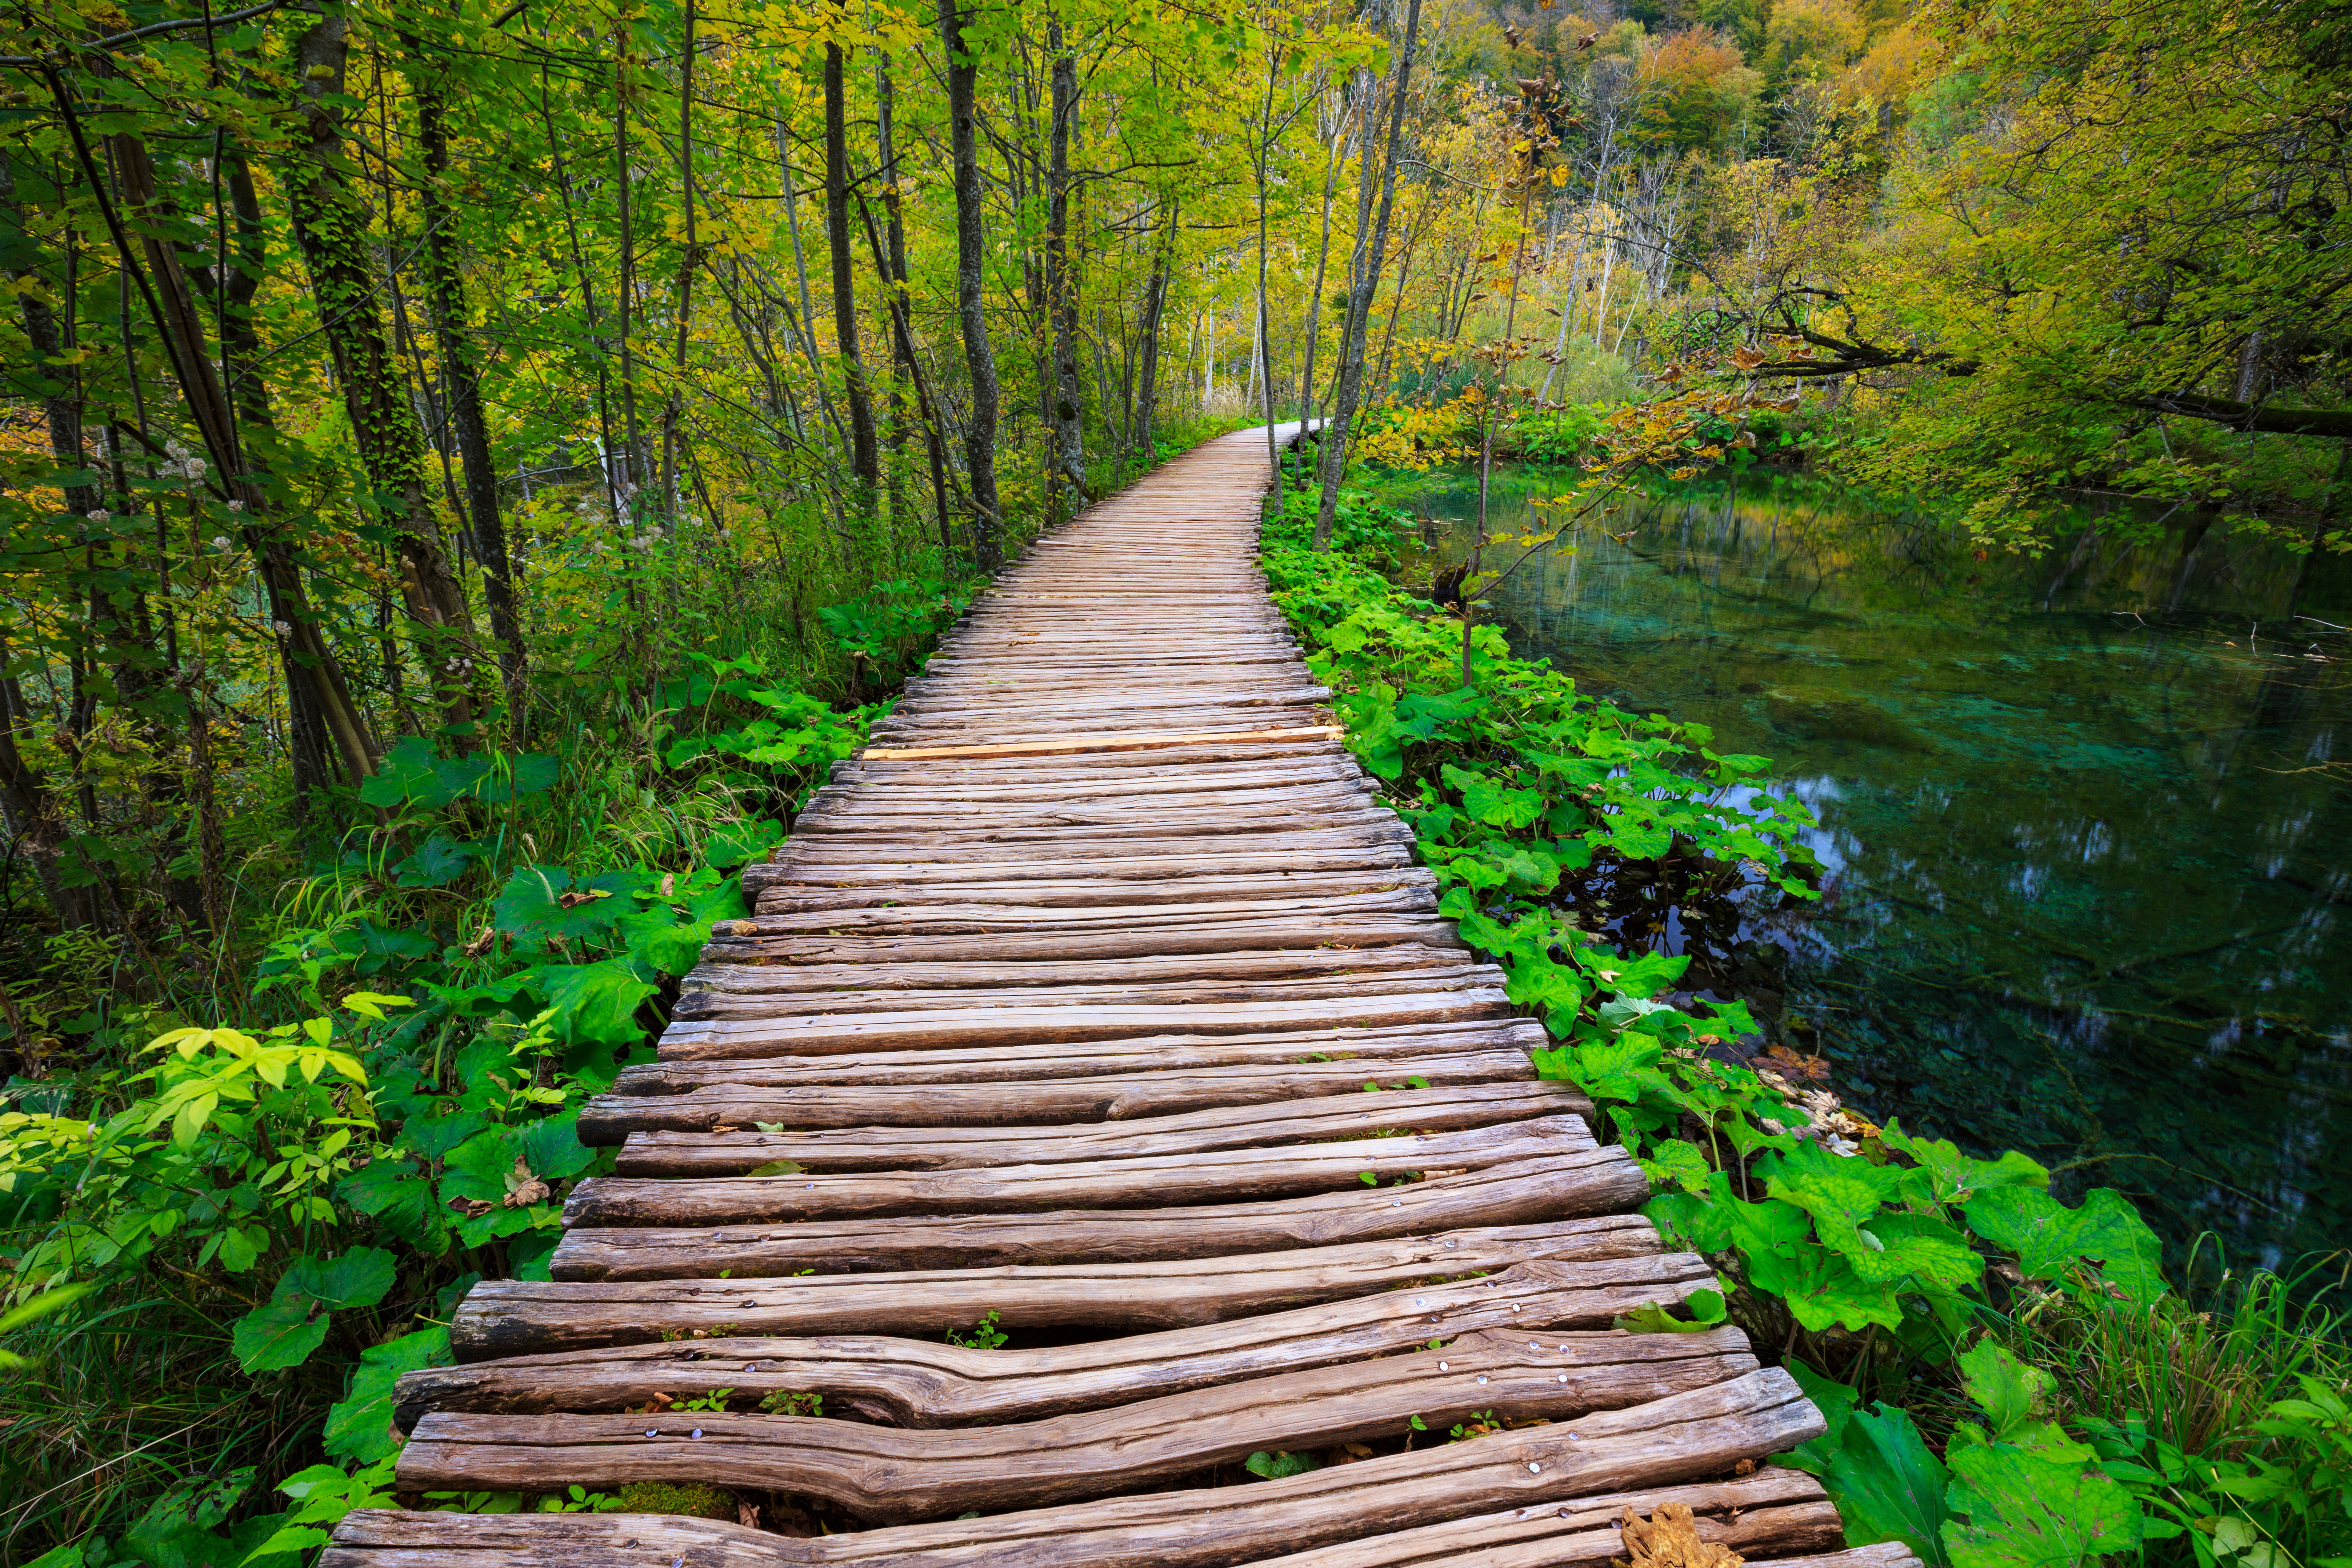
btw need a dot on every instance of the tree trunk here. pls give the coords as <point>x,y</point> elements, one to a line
<point>330,225</point>
<point>34,817</point>
<point>864,458</point>
<point>1155,309</point>
<point>1064,403</point>
<point>1264,349</point>
<point>1309,405</point>
<point>625,292</point>
<point>452,325</point>
<point>672,459</point>
<point>979,420</point>
<point>902,304</point>
<point>1356,332</point>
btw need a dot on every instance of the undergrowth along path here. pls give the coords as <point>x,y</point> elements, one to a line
<point>1100,993</point>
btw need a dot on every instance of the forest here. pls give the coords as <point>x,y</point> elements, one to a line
<point>469,470</point>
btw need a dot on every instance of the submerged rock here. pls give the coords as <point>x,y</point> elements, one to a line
<point>1826,713</point>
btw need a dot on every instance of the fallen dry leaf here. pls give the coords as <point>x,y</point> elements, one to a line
<point>1669,1538</point>
<point>523,1189</point>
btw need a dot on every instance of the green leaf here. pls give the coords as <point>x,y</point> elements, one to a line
<point>1836,1402</point>
<point>2004,1387</point>
<point>1888,1485</point>
<point>278,1333</point>
<point>528,774</point>
<point>2047,1236</point>
<point>2025,1511</point>
<point>745,841</point>
<point>1276,1467</point>
<point>1708,1310</point>
<point>1641,841</point>
<point>358,1278</point>
<point>532,907</point>
<point>440,859</point>
<point>1821,1287</point>
<point>1917,1248</point>
<point>1956,1178</point>
<point>406,774</point>
<point>47,1302</point>
<point>551,1147</point>
<point>597,1004</point>
<point>360,1427</point>
<point>1680,1162</point>
<point>1839,1191</point>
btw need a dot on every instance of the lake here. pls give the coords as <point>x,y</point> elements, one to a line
<point>2085,820</point>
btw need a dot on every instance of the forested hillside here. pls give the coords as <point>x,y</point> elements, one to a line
<point>469,468</point>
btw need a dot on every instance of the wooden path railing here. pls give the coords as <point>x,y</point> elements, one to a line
<point>1101,992</point>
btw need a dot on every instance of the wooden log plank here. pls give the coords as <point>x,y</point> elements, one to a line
<point>914,789</point>
<point>1144,705</point>
<point>517,1317</point>
<point>1157,1180</point>
<point>1163,848</point>
<point>924,1383</point>
<point>863,864</point>
<point>1177,762</point>
<point>1201,935</point>
<point>720,998</point>
<point>1027,841</point>
<point>1526,1192</point>
<point>1009,1064</point>
<point>1027,730</point>
<point>1770,1513</point>
<point>893,1474</point>
<point>1275,1124</point>
<point>1613,1460</point>
<point>1014,1023</point>
<point>607,1119</point>
<point>1294,915</point>
<point>827,824</point>
<point>804,897</point>
<point>1367,823</point>
<point>731,963</point>
<point>1110,741</point>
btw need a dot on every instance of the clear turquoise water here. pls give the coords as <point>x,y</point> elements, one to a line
<point>2086,822</point>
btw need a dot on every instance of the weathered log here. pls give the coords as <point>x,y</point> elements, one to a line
<point>920,1383</point>
<point>515,1317</point>
<point>886,1473</point>
<point>1526,1192</point>
<point>1223,1176</point>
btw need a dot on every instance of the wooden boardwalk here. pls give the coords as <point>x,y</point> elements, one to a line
<point>1100,993</point>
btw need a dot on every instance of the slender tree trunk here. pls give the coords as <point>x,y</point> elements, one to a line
<point>1264,350</point>
<point>1065,402</point>
<point>671,405</point>
<point>1310,404</point>
<point>804,329</point>
<point>34,816</point>
<point>902,304</point>
<point>980,421</point>
<point>864,459</point>
<point>625,292</point>
<point>1155,309</point>
<point>1396,305</point>
<point>1357,331</point>
<point>452,325</point>
<point>330,225</point>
